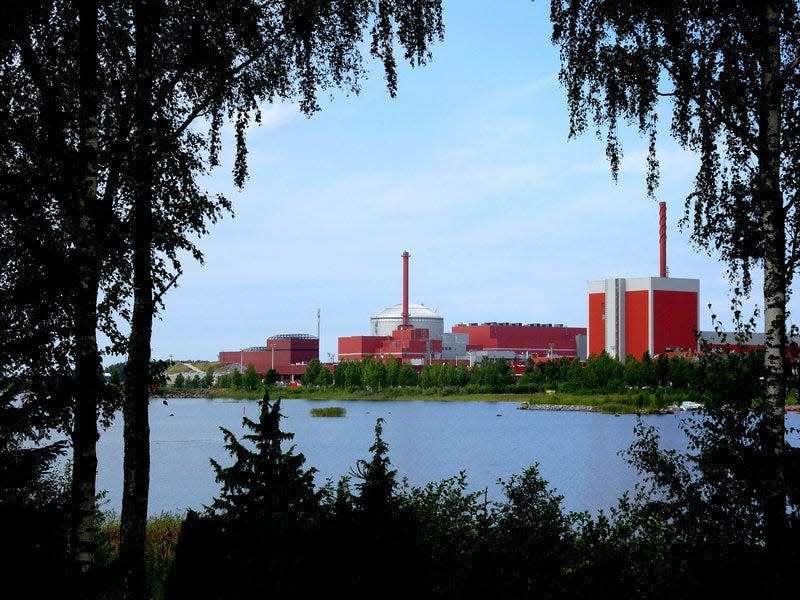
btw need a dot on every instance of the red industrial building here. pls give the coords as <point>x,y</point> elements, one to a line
<point>653,314</point>
<point>288,354</point>
<point>626,316</point>
<point>406,343</point>
<point>525,341</point>
<point>418,337</point>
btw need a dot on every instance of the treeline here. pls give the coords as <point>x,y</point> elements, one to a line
<point>247,380</point>
<point>600,374</point>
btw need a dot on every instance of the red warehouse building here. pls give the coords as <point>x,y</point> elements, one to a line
<point>532,340</point>
<point>288,354</point>
<point>653,314</point>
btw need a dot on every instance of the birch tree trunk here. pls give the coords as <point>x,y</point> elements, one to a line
<point>135,409</point>
<point>775,281</point>
<point>85,432</point>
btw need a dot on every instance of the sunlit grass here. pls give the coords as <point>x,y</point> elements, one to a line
<point>161,539</point>
<point>328,411</point>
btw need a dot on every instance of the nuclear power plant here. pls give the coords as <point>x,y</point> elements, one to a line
<point>415,334</point>
<point>626,316</point>
<point>397,334</point>
<point>644,314</point>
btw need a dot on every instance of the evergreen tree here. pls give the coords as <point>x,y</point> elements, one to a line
<point>377,481</point>
<point>270,377</point>
<point>33,502</point>
<point>260,527</point>
<point>208,380</point>
<point>384,535</point>
<point>265,481</point>
<point>528,548</point>
<point>251,380</point>
<point>179,381</point>
<point>407,377</point>
<point>236,379</point>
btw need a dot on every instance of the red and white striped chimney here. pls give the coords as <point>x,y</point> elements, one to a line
<point>662,238</point>
<point>405,314</point>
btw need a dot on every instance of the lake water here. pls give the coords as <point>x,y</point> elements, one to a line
<point>577,452</point>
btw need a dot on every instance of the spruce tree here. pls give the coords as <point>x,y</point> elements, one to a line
<point>255,539</point>
<point>264,482</point>
<point>384,536</point>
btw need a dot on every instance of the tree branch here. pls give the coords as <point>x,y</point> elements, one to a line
<point>157,297</point>
<point>204,104</point>
<point>791,67</point>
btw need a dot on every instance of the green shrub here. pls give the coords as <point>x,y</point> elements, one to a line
<point>328,411</point>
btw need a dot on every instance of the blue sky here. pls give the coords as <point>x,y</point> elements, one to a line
<point>469,169</point>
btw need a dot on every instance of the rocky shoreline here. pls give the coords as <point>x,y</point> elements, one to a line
<point>529,406</point>
<point>585,408</point>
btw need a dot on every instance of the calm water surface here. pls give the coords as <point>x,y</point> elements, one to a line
<point>577,452</point>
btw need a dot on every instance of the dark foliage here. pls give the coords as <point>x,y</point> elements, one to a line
<point>694,529</point>
<point>33,500</point>
<point>259,528</point>
<point>706,507</point>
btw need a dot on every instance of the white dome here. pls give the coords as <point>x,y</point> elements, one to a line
<point>415,311</point>
<point>419,316</point>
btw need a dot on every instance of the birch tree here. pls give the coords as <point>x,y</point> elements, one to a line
<point>729,73</point>
<point>111,113</point>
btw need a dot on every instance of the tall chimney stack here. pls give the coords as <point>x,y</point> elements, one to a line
<point>405,290</point>
<point>662,238</point>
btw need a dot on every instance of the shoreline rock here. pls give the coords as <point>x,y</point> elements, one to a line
<point>579,407</point>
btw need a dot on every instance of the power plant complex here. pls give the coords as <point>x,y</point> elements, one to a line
<point>626,316</point>
<point>644,314</point>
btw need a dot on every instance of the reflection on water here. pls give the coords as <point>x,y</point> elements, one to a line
<point>577,452</point>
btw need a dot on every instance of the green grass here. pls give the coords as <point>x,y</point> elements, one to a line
<point>634,401</point>
<point>328,411</point>
<point>161,538</point>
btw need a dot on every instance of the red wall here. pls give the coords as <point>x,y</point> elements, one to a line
<point>636,322</point>
<point>675,315</point>
<point>522,337</point>
<point>260,359</point>
<point>359,345</point>
<point>289,351</point>
<point>404,343</point>
<point>597,324</point>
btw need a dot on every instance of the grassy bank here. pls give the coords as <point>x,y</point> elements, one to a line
<point>631,402</point>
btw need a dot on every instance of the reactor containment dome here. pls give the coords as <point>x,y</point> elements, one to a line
<point>389,319</point>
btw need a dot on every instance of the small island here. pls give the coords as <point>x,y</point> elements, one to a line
<point>328,411</point>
